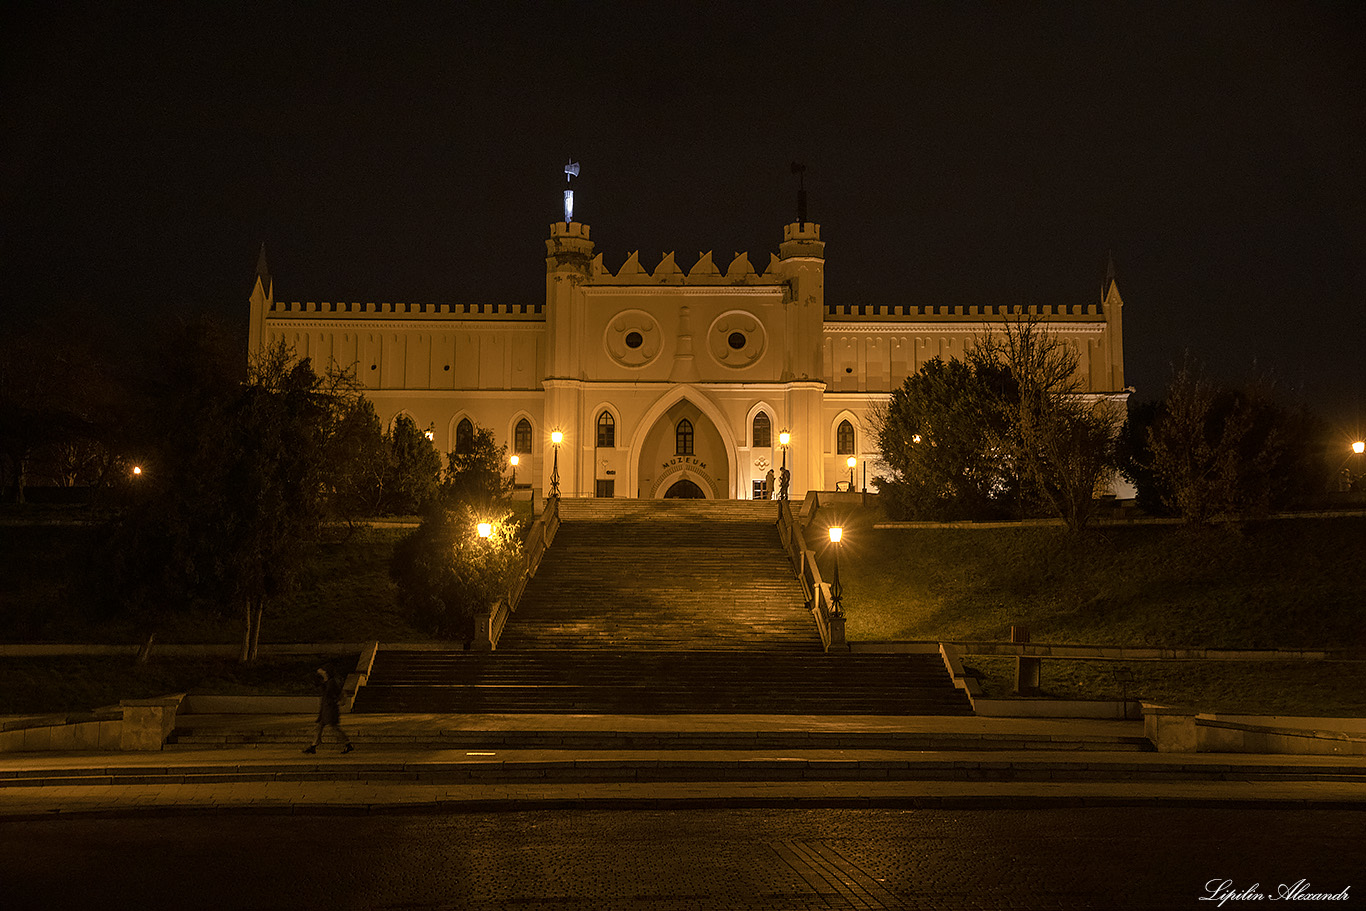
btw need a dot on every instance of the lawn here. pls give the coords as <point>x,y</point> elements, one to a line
<point>1320,688</point>
<point>1287,583</point>
<point>345,596</point>
<point>43,685</point>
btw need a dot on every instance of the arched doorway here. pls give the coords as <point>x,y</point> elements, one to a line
<point>685,490</point>
<point>683,443</point>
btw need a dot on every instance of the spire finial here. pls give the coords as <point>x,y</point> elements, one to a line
<point>800,171</point>
<point>1109,273</point>
<point>263,274</point>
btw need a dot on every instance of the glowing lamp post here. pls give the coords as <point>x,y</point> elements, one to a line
<point>485,529</point>
<point>851,463</point>
<point>556,438</point>
<point>836,590</point>
<point>1359,447</point>
<point>137,471</point>
<point>783,439</point>
<point>513,462</point>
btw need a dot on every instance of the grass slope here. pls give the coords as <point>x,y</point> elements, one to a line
<point>1277,584</point>
<point>40,685</point>
<point>1318,688</point>
<point>345,596</point>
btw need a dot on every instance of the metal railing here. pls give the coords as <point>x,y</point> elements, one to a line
<point>814,589</point>
<point>489,627</point>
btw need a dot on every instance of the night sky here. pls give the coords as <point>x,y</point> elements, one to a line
<point>955,153</point>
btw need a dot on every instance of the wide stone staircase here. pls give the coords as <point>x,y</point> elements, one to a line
<point>664,574</point>
<point>661,607</point>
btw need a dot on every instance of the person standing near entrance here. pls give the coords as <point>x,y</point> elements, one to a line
<point>329,710</point>
<point>768,485</point>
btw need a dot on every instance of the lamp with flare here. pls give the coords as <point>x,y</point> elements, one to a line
<point>836,590</point>
<point>556,438</point>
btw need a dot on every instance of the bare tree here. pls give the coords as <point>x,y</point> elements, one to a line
<point>1215,452</point>
<point>1061,437</point>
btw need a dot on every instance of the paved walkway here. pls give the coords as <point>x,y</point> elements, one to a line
<point>418,726</point>
<point>397,769</point>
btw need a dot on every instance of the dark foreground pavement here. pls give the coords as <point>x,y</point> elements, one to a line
<point>694,859</point>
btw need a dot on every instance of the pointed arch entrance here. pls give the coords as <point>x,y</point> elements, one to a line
<point>684,489</point>
<point>682,440</point>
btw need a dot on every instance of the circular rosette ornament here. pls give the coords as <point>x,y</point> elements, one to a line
<point>632,338</point>
<point>736,339</point>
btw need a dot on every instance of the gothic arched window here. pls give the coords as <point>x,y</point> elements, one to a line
<point>607,431</point>
<point>683,438</point>
<point>844,439</point>
<point>521,437</point>
<point>763,431</point>
<point>464,437</point>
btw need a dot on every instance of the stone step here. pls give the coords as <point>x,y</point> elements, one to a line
<point>616,700</point>
<point>1044,766</point>
<point>188,733</point>
<point>740,511</point>
<point>587,681</point>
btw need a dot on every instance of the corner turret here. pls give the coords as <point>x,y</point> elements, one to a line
<point>801,261</point>
<point>802,239</point>
<point>568,248</point>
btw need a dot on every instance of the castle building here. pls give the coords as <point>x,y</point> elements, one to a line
<point>664,382</point>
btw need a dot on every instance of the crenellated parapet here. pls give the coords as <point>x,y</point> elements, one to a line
<point>902,312</point>
<point>343,310</point>
<point>704,271</point>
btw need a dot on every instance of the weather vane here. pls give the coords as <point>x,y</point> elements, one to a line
<point>571,171</point>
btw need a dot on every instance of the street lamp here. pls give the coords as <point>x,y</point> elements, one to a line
<point>836,590</point>
<point>485,529</point>
<point>137,471</point>
<point>430,433</point>
<point>851,463</point>
<point>783,439</point>
<point>1359,447</point>
<point>513,462</point>
<point>556,438</point>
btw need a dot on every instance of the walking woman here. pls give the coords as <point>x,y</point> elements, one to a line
<point>329,710</point>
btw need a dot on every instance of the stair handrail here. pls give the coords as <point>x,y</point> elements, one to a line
<point>489,627</point>
<point>815,591</point>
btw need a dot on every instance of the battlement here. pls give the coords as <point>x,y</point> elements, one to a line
<point>704,272</point>
<point>528,312</point>
<point>570,229</point>
<point>900,312</point>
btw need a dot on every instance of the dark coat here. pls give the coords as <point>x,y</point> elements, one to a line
<point>329,706</point>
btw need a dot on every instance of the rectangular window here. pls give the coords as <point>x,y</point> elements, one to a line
<point>758,490</point>
<point>606,488</point>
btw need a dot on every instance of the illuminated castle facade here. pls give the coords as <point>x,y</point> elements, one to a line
<point>664,382</point>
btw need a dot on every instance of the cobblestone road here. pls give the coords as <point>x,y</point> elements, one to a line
<point>1144,858</point>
